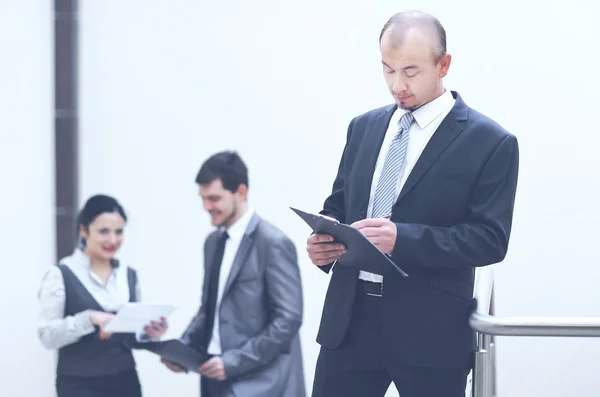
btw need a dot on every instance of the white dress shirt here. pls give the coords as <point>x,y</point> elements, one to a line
<point>427,119</point>
<point>54,329</point>
<point>236,233</point>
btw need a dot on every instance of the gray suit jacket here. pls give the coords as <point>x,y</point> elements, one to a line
<point>260,315</point>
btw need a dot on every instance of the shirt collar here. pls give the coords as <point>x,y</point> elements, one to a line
<point>431,110</point>
<point>80,258</point>
<point>238,229</point>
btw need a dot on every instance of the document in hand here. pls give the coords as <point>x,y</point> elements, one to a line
<point>361,253</point>
<point>134,316</point>
<point>175,351</point>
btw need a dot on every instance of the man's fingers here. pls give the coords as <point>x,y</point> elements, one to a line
<point>213,372</point>
<point>213,369</point>
<point>325,247</point>
<point>326,260</point>
<point>320,238</point>
<point>216,375</point>
<point>204,367</point>
<point>325,257</point>
<point>370,222</point>
<point>173,367</point>
<point>176,368</point>
<point>207,366</point>
<point>371,231</point>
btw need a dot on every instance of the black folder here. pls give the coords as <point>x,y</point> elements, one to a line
<point>361,253</point>
<point>175,351</point>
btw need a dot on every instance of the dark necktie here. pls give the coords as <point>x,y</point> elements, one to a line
<point>213,287</point>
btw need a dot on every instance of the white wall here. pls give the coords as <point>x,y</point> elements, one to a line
<point>26,202</point>
<point>166,84</point>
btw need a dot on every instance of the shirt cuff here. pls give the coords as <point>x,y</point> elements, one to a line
<point>84,322</point>
<point>142,336</point>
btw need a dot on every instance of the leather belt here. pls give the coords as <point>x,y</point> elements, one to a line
<point>370,288</point>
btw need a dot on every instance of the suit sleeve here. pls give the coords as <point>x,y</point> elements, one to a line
<point>284,300</point>
<point>335,204</point>
<point>481,240</point>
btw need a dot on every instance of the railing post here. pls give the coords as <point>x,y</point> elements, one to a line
<point>480,374</point>
<point>492,351</point>
<point>489,374</point>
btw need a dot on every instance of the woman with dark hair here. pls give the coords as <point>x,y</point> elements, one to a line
<point>80,296</point>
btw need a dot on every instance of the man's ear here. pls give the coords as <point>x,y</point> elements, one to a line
<point>444,64</point>
<point>243,191</point>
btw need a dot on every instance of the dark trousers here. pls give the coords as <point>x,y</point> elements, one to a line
<point>125,384</point>
<point>210,387</point>
<point>359,367</point>
<point>213,388</point>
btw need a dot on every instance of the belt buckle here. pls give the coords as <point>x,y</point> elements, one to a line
<point>380,291</point>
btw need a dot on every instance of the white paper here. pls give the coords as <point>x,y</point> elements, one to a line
<point>133,317</point>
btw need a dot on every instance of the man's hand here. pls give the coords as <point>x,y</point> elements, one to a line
<point>214,368</point>
<point>322,251</point>
<point>156,329</point>
<point>380,231</point>
<point>172,366</point>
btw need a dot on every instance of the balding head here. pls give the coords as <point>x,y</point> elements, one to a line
<point>406,23</point>
<point>414,58</point>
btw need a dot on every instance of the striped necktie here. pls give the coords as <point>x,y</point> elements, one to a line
<point>385,194</point>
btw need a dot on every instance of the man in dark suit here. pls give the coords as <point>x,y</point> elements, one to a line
<point>430,182</point>
<point>252,296</point>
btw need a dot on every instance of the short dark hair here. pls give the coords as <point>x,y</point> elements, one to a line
<point>413,18</point>
<point>227,166</point>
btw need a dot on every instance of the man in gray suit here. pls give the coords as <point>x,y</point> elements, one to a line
<point>252,296</point>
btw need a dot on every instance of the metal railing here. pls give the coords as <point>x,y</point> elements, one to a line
<point>486,325</point>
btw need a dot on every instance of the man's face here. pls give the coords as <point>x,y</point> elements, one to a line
<point>411,72</point>
<point>220,203</point>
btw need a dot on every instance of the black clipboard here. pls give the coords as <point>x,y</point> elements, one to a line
<point>361,253</point>
<point>175,351</point>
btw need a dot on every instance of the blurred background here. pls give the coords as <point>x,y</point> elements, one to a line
<point>151,88</point>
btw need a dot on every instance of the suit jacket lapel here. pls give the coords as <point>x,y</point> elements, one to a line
<point>372,141</point>
<point>443,136</point>
<point>242,252</point>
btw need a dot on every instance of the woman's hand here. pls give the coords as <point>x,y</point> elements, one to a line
<point>101,319</point>
<point>156,329</point>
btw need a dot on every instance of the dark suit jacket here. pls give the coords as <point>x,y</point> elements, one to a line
<point>453,214</point>
<point>259,317</point>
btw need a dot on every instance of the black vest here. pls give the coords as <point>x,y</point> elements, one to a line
<point>90,356</point>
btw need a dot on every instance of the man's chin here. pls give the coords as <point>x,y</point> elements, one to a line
<point>408,104</point>
<point>218,222</point>
<point>409,107</point>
